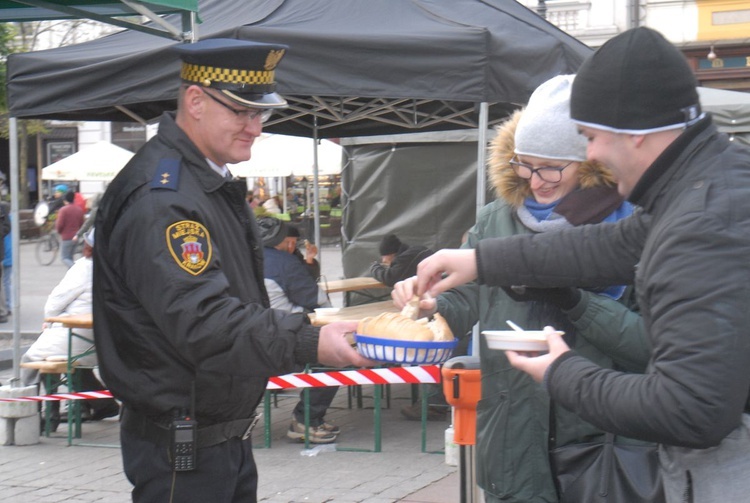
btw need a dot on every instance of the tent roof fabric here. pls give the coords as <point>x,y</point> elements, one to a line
<point>353,68</point>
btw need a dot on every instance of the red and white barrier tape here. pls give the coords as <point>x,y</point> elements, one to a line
<point>390,375</point>
<point>81,395</point>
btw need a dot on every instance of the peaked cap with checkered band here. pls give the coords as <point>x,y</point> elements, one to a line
<point>242,70</point>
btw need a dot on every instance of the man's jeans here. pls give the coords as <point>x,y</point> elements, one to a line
<point>66,252</point>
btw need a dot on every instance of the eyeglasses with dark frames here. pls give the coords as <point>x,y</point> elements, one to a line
<point>551,174</point>
<point>243,114</point>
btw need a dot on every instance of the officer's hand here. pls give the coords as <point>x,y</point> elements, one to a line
<point>334,347</point>
<point>404,291</point>
<point>537,366</point>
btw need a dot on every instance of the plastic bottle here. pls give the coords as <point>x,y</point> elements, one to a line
<point>451,449</point>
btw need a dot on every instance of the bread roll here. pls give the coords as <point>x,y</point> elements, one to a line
<point>411,309</point>
<point>397,326</point>
<point>440,329</point>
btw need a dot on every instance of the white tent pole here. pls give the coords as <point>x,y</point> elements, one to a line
<point>316,188</point>
<point>481,189</point>
<point>482,154</point>
<point>15,245</point>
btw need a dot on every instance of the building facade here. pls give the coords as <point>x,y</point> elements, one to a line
<point>713,34</point>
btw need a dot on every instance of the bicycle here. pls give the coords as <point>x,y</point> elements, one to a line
<point>47,248</point>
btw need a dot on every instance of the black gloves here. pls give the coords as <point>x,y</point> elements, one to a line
<point>565,298</point>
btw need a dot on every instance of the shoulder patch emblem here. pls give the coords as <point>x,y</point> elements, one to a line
<point>190,245</point>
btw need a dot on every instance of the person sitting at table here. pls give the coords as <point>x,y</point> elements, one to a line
<point>398,260</point>
<point>292,288</point>
<point>311,252</point>
<point>71,296</point>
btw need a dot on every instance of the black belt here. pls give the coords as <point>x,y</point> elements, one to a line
<point>207,436</point>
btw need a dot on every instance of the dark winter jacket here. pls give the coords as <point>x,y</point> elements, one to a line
<point>687,253</point>
<point>404,265</point>
<point>179,299</point>
<point>288,282</point>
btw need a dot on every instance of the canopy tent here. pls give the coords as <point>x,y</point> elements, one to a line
<point>280,155</point>
<point>730,111</point>
<point>99,162</point>
<point>108,11</point>
<point>353,68</point>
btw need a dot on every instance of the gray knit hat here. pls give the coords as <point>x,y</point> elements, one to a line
<point>638,83</point>
<point>545,129</point>
<point>272,230</point>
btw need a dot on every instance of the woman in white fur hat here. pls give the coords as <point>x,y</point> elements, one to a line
<point>537,165</point>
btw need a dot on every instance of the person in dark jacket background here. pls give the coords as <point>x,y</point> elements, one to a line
<point>398,260</point>
<point>184,331</point>
<point>311,252</point>
<point>292,288</point>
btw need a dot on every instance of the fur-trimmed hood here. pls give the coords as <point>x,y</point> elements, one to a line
<point>513,189</point>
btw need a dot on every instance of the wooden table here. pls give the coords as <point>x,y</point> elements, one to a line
<point>350,284</point>
<point>73,321</point>
<point>355,313</point>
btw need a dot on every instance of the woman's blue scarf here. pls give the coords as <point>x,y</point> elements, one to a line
<point>546,212</point>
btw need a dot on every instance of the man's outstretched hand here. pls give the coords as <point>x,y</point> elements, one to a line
<point>444,270</point>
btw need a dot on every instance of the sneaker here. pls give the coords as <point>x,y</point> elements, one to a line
<point>331,428</point>
<point>434,412</point>
<point>316,434</point>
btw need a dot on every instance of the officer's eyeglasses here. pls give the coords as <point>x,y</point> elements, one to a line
<point>244,114</point>
<point>549,174</point>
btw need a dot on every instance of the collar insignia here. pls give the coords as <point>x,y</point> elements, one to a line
<point>190,245</point>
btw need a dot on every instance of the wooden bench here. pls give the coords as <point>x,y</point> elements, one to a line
<point>51,370</point>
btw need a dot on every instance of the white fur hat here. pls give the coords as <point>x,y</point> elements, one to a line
<point>546,129</point>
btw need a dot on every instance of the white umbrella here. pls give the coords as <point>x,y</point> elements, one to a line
<point>280,155</point>
<point>99,162</point>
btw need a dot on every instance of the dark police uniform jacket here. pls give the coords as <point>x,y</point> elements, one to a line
<point>179,301</point>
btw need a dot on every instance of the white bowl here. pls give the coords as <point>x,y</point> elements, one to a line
<point>326,311</point>
<point>528,340</point>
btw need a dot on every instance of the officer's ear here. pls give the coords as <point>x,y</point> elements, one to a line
<point>193,101</point>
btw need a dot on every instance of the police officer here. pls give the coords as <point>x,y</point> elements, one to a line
<point>184,333</point>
